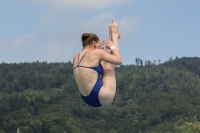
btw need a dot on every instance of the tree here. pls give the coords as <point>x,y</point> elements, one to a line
<point>141,62</point>
<point>159,61</point>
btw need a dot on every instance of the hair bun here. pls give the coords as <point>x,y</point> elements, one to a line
<point>88,38</point>
<point>85,36</point>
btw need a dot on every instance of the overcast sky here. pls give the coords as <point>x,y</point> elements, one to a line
<point>50,30</point>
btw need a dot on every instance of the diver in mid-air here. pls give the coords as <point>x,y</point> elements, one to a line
<point>94,68</point>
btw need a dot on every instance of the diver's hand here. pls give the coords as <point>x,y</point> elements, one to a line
<point>109,43</point>
<point>102,47</point>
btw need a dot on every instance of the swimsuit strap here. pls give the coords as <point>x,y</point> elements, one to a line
<point>81,58</point>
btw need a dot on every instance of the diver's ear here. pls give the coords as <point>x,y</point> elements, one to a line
<point>95,44</point>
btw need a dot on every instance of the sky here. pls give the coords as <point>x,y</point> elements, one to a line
<point>50,30</point>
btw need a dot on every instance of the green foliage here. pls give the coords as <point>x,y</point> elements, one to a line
<point>43,97</point>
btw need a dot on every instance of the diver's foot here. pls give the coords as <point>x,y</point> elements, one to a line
<point>113,30</point>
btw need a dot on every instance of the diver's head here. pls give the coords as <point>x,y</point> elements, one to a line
<point>90,40</point>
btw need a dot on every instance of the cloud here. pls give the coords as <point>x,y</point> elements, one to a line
<point>19,49</point>
<point>50,18</point>
<point>52,52</point>
<point>58,34</point>
<point>63,46</point>
<point>20,42</point>
<point>98,25</point>
<point>78,4</point>
<point>128,25</point>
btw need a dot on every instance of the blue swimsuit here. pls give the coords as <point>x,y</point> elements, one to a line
<point>93,98</point>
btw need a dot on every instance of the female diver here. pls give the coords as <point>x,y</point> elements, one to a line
<point>94,69</point>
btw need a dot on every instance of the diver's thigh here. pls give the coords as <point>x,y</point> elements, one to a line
<point>106,96</point>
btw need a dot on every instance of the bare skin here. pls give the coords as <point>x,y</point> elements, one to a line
<point>108,90</point>
<point>86,77</point>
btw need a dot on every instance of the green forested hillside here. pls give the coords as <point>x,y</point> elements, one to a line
<point>42,97</point>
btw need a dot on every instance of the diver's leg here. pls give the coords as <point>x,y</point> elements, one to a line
<point>108,90</point>
<point>115,34</point>
<point>110,34</point>
<point>107,50</point>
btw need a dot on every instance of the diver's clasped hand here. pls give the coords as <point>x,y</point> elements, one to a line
<point>106,44</point>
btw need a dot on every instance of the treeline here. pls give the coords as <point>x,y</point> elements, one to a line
<point>140,62</point>
<point>43,97</point>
